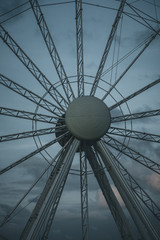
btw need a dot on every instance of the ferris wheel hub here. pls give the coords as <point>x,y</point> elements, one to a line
<point>88,118</point>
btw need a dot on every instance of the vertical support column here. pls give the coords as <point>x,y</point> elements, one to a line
<point>84,195</point>
<point>109,196</point>
<point>79,42</point>
<point>130,199</point>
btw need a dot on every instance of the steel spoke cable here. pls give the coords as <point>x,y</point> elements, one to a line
<point>126,56</point>
<point>23,159</point>
<point>152,37</point>
<point>52,50</point>
<point>134,134</point>
<point>148,25</point>
<point>34,70</point>
<point>7,218</point>
<point>26,93</point>
<point>28,115</point>
<point>107,48</point>
<point>27,134</point>
<point>140,192</point>
<point>136,115</point>
<point>135,94</point>
<point>138,157</point>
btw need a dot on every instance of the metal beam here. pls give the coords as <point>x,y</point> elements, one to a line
<point>28,115</point>
<point>107,48</point>
<point>148,42</point>
<point>30,65</point>
<point>109,196</point>
<point>140,192</point>
<point>28,94</point>
<point>31,154</point>
<point>134,134</point>
<point>79,44</point>
<point>7,218</point>
<point>138,157</point>
<point>137,115</point>
<point>129,197</point>
<point>52,50</point>
<point>84,194</point>
<point>34,133</point>
<point>50,192</point>
<point>135,94</point>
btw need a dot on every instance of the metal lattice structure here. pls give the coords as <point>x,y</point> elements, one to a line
<point>87,118</point>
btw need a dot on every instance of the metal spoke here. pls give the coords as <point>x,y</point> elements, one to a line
<point>84,194</point>
<point>30,65</point>
<point>79,41</point>
<point>109,196</point>
<point>140,158</point>
<point>140,192</point>
<point>7,218</point>
<point>135,94</point>
<point>128,195</point>
<point>52,49</point>
<point>28,94</point>
<point>148,42</point>
<point>49,193</point>
<point>34,133</point>
<point>28,115</point>
<point>134,134</point>
<point>137,115</point>
<point>107,48</point>
<point>31,154</point>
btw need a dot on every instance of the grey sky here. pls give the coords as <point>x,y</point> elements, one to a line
<point>97,24</point>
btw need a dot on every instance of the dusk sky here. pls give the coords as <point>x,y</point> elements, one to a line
<point>97,24</point>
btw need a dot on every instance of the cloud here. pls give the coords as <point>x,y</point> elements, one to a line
<point>153,181</point>
<point>101,202</point>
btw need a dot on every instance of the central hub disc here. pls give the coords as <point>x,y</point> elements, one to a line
<point>88,118</point>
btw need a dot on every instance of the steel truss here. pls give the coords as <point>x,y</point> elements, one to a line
<point>30,65</point>
<point>110,198</point>
<point>35,98</point>
<point>84,194</point>
<point>129,197</point>
<point>140,158</point>
<point>28,115</point>
<point>134,134</point>
<point>52,51</point>
<point>107,48</point>
<point>50,193</point>
<point>137,115</point>
<point>135,94</point>
<point>101,160</point>
<point>79,38</point>
<point>32,154</point>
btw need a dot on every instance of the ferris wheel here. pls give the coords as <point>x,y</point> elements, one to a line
<point>99,122</point>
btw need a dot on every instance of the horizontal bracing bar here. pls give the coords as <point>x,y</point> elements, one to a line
<point>26,93</point>
<point>133,154</point>
<point>134,134</point>
<point>28,115</point>
<point>137,115</point>
<point>23,159</point>
<point>135,94</point>
<point>33,133</point>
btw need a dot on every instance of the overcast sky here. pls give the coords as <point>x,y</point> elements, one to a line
<point>97,23</point>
